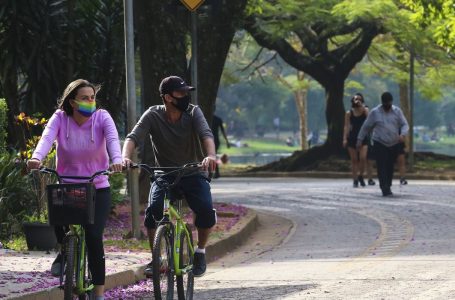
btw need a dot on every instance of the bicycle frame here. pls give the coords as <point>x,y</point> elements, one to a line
<point>170,213</point>
<point>79,232</point>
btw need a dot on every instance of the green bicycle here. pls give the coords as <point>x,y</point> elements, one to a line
<point>173,248</point>
<point>73,205</point>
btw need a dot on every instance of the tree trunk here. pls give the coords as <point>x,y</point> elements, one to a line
<point>334,113</point>
<point>215,36</point>
<point>300,97</point>
<point>406,108</point>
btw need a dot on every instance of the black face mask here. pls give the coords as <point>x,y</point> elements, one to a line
<point>387,106</point>
<point>182,102</point>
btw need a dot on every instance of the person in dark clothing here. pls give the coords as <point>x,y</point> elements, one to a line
<point>353,121</point>
<point>217,124</point>
<point>389,129</point>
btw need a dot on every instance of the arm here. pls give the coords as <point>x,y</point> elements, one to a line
<point>128,148</point>
<point>347,124</point>
<point>224,134</point>
<point>112,142</point>
<point>366,127</point>
<point>46,141</point>
<point>206,137</point>
<point>209,162</point>
<point>404,126</point>
<point>138,133</point>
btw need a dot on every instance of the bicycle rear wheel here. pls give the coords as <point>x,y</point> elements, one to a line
<point>71,254</point>
<point>185,282</point>
<point>163,263</point>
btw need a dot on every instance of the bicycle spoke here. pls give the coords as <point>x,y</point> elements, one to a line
<point>163,274</point>
<point>185,282</point>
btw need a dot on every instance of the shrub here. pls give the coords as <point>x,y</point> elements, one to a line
<point>117,182</point>
<point>3,124</point>
<point>16,197</point>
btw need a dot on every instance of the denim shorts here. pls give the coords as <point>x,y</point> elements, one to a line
<point>195,189</point>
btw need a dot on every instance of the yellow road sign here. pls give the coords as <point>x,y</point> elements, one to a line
<point>192,4</point>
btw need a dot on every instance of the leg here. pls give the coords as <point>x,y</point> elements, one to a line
<point>203,237</point>
<point>370,160</point>
<point>381,159</point>
<point>154,211</point>
<point>362,163</point>
<point>393,153</point>
<point>354,164</point>
<point>197,192</point>
<point>94,240</point>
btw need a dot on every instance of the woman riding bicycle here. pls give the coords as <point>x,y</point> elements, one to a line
<point>86,138</point>
<point>177,130</point>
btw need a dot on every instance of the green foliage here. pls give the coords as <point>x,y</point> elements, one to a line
<point>16,198</point>
<point>17,243</point>
<point>3,125</point>
<point>117,182</point>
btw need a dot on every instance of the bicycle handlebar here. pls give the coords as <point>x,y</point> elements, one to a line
<point>179,171</point>
<point>89,178</point>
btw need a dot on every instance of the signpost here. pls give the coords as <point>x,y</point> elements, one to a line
<point>192,5</point>
<point>133,176</point>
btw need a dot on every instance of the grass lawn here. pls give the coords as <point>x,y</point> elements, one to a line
<point>254,145</point>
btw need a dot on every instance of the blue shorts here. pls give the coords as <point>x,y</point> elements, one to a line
<point>195,189</point>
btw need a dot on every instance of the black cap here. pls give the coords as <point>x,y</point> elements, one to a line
<point>174,83</point>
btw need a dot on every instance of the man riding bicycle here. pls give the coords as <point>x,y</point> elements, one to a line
<point>177,131</point>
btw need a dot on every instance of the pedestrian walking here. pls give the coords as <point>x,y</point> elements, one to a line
<point>353,121</point>
<point>217,125</point>
<point>389,128</point>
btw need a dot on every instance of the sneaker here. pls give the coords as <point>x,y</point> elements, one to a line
<point>387,193</point>
<point>199,264</point>
<point>403,181</point>
<point>148,272</point>
<point>361,181</point>
<point>371,182</point>
<point>355,183</point>
<point>57,266</point>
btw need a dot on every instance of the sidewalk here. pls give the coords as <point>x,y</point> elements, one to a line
<point>26,275</point>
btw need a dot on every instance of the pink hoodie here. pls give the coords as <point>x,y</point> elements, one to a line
<point>81,150</point>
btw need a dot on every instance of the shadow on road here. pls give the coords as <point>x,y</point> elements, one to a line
<point>252,293</point>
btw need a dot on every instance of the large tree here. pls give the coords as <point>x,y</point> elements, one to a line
<point>332,43</point>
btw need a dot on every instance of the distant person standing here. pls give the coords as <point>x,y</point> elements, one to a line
<point>217,124</point>
<point>389,129</point>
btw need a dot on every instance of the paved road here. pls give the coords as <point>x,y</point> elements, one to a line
<point>345,243</point>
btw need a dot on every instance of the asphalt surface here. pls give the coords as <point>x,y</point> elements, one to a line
<point>346,243</point>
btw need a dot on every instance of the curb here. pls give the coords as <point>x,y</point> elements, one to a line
<point>237,235</point>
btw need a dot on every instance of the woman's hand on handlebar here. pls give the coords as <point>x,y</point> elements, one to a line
<point>33,164</point>
<point>116,168</point>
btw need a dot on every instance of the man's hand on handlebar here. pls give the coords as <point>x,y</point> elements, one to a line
<point>127,163</point>
<point>209,163</point>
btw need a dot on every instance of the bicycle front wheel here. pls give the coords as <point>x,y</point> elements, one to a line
<point>163,263</point>
<point>71,254</point>
<point>185,281</point>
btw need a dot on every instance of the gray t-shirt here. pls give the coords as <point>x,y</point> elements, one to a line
<point>174,144</point>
